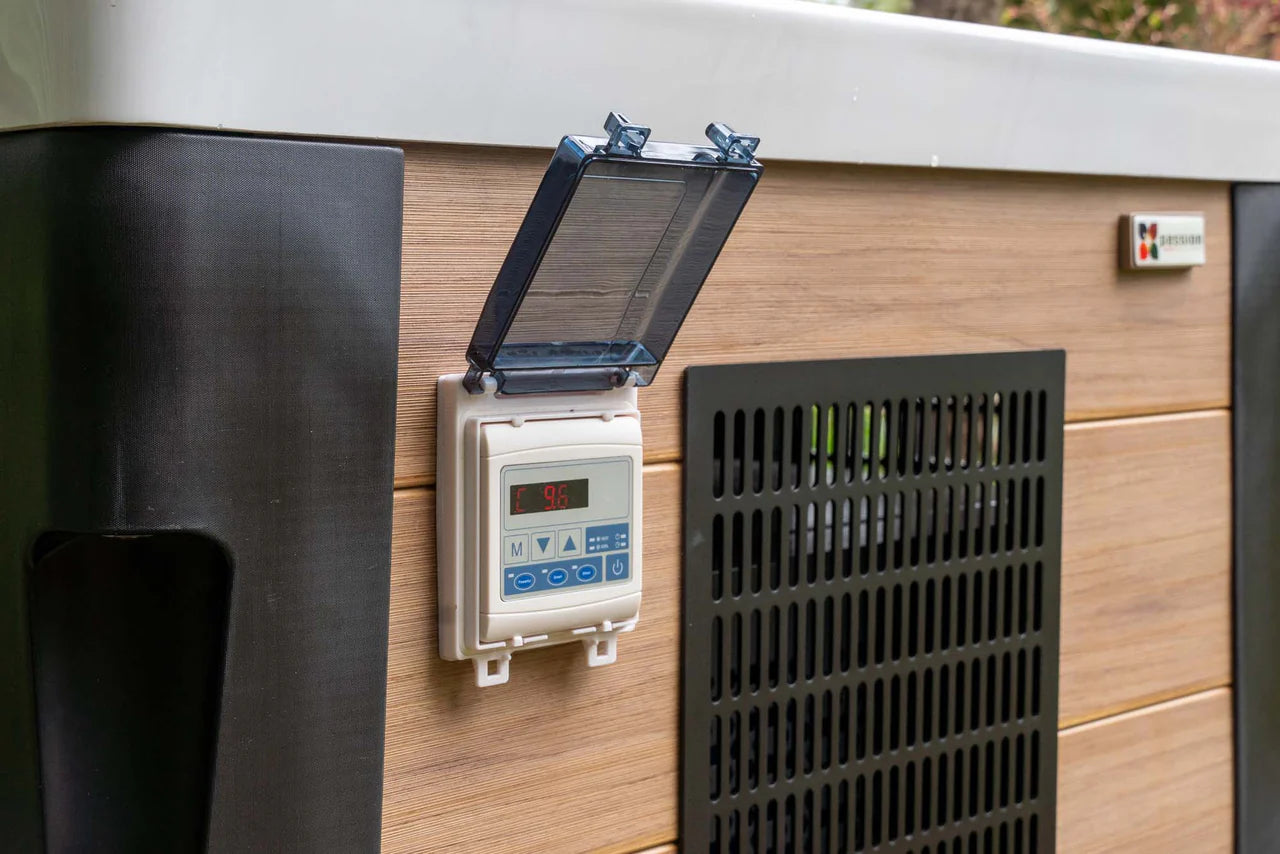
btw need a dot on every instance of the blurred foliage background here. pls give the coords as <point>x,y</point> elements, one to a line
<point>1240,27</point>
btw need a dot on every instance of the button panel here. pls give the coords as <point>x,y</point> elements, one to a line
<point>563,558</point>
<point>565,574</point>
<point>556,575</point>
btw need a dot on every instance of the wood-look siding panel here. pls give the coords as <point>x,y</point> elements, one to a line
<point>1146,591</point>
<point>1146,580</point>
<point>562,758</point>
<point>836,261</point>
<point>1155,780</point>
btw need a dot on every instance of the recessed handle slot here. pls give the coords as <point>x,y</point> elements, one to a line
<point>128,639</point>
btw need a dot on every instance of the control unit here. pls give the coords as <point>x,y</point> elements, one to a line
<point>543,505</point>
<point>539,453</point>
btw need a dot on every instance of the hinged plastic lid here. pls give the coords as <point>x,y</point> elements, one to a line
<point>615,247</point>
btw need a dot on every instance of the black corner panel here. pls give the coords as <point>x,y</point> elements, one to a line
<point>198,338</point>
<point>871,595</point>
<point>1256,426</point>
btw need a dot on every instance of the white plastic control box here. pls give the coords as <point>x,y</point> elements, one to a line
<point>539,508</point>
<point>539,455</point>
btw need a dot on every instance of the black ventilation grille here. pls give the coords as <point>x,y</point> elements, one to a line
<point>871,589</point>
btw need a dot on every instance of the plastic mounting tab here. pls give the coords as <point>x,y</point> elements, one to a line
<point>492,668</point>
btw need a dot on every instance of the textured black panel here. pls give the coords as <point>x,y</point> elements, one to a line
<point>198,333</point>
<point>871,596</point>
<point>1256,324</point>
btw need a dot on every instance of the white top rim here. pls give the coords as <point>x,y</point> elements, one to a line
<point>815,82</point>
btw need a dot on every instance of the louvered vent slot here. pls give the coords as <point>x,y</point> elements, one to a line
<point>871,595</point>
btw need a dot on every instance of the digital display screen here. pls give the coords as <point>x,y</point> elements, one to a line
<point>552,495</point>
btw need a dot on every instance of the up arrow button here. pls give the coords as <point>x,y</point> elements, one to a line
<point>570,541</point>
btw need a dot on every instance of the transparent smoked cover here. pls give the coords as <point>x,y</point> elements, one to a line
<point>606,265</point>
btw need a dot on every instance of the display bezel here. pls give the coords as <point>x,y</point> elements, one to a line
<point>569,489</point>
<point>610,491</point>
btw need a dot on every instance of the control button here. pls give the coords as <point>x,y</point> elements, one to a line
<point>570,541</point>
<point>544,544</point>
<point>608,538</point>
<point>587,573</point>
<point>617,567</point>
<point>515,549</point>
<point>557,576</point>
<point>524,581</point>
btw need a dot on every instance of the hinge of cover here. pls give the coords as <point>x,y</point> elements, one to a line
<point>534,381</point>
<point>478,382</point>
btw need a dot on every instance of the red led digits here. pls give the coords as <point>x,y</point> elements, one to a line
<point>556,495</point>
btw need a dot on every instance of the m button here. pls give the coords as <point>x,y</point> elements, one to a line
<point>515,549</point>
<point>617,567</point>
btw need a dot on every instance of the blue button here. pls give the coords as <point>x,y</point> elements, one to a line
<point>557,577</point>
<point>586,573</point>
<point>524,581</point>
<point>617,567</point>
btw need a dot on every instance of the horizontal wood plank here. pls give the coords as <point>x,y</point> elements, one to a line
<point>1145,616</point>
<point>1146,595</point>
<point>1155,780</point>
<point>834,261</point>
